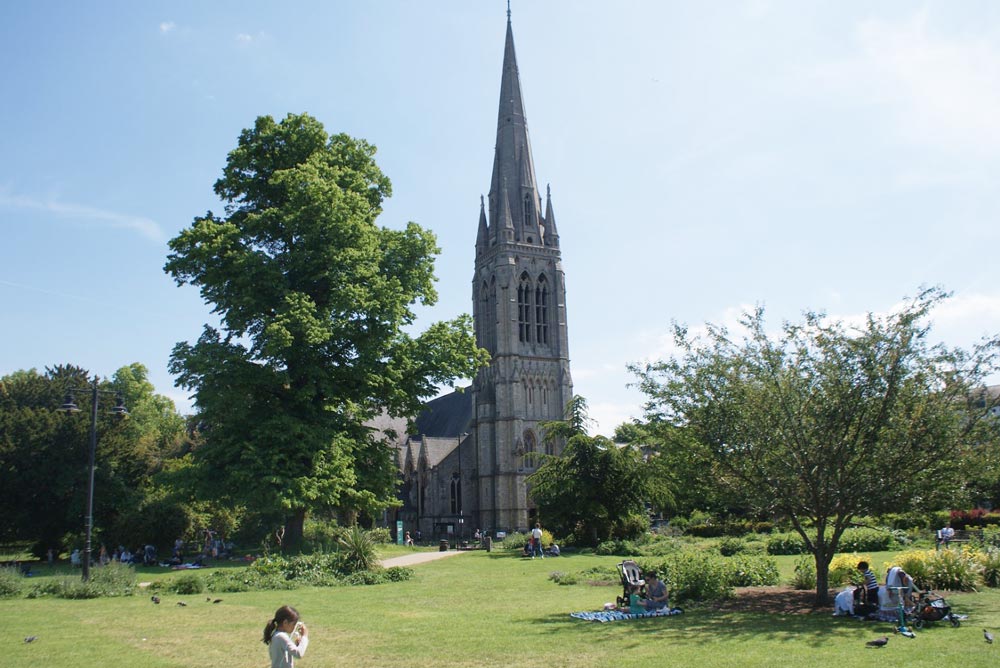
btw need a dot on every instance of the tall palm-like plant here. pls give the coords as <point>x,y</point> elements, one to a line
<point>358,549</point>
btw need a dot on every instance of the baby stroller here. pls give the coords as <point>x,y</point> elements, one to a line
<point>631,576</point>
<point>933,608</point>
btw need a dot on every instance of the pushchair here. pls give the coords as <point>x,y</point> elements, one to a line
<point>631,576</point>
<point>933,608</point>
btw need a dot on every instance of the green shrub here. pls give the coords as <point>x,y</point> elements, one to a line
<point>113,579</point>
<point>730,545</point>
<point>744,570</point>
<point>358,550</point>
<point>805,572</point>
<point>563,578</point>
<point>622,548</point>
<point>381,535</point>
<point>954,570</point>
<point>692,576</point>
<point>864,540</point>
<point>244,579</point>
<point>321,536</point>
<point>379,576</point>
<point>11,583</point>
<point>188,583</point>
<point>844,569</point>
<point>989,560</point>
<point>785,543</point>
<point>514,541</point>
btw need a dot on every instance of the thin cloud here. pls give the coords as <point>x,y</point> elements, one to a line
<point>144,226</point>
<point>167,26</point>
<point>943,92</point>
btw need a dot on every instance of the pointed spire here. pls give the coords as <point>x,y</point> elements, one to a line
<point>482,236</point>
<point>512,162</point>
<point>551,233</point>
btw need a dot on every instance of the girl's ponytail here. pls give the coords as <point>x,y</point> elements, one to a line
<point>269,631</point>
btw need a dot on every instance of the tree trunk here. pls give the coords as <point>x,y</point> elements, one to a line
<point>292,541</point>
<point>822,579</point>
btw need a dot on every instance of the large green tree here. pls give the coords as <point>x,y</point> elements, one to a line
<point>44,453</point>
<point>315,301</point>
<point>594,489</point>
<point>826,421</point>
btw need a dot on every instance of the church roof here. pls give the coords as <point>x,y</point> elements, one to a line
<point>446,416</point>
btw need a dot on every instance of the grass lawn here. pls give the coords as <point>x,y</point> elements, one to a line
<point>474,609</point>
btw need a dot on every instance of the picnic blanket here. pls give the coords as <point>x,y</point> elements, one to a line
<point>616,615</point>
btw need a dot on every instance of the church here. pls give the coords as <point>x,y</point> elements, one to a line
<point>465,465</point>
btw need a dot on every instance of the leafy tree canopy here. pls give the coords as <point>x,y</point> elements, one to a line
<point>594,489</point>
<point>314,299</point>
<point>827,421</point>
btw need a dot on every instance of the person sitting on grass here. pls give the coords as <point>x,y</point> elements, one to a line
<point>656,592</point>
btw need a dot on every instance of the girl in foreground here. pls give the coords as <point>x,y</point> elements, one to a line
<point>278,634</point>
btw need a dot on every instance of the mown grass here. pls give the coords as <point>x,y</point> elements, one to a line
<point>476,609</point>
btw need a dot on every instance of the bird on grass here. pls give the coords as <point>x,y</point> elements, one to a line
<point>878,642</point>
<point>31,639</point>
<point>182,604</point>
<point>988,636</point>
<point>155,599</point>
<point>218,600</point>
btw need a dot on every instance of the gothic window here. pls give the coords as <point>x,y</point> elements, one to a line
<point>529,213</point>
<point>530,447</point>
<point>456,494</point>
<point>542,310</point>
<point>524,309</point>
<point>485,326</point>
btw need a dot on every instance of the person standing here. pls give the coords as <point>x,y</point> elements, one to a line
<point>279,634</point>
<point>536,541</point>
<point>871,587</point>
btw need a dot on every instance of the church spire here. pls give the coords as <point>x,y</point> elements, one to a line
<point>482,236</point>
<point>551,233</point>
<point>512,161</point>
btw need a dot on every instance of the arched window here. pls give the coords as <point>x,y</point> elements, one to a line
<point>456,494</point>
<point>529,212</point>
<point>542,310</point>
<point>485,325</point>
<point>524,309</point>
<point>530,448</point>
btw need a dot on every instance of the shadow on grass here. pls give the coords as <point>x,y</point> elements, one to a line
<point>699,627</point>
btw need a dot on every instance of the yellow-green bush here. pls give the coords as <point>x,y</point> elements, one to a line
<point>844,569</point>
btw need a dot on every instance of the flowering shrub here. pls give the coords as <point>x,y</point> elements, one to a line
<point>744,570</point>
<point>989,561</point>
<point>844,569</point>
<point>954,570</point>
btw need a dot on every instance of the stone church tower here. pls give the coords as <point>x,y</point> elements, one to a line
<point>465,464</point>
<point>519,309</point>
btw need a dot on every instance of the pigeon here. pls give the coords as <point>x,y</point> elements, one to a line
<point>155,599</point>
<point>182,604</point>
<point>878,642</point>
<point>31,639</point>
<point>218,600</point>
<point>988,636</point>
<point>208,599</point>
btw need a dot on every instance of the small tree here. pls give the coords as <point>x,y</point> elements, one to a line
<point>827,422</point>
<point>593,488</point>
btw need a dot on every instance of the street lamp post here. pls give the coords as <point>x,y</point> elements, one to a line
<point>69,406</point>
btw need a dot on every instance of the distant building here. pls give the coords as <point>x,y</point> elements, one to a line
<point>465,465</point>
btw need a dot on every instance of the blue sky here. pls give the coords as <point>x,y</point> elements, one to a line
<point>703,158</point>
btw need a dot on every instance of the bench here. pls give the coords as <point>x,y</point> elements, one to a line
<point>961,536</point>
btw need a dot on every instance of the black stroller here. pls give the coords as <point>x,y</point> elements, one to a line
<point>631,576</point>
<point>933,608</point>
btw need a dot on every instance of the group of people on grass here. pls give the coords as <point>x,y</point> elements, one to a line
<point>874,601</point>
<point>656,595</point>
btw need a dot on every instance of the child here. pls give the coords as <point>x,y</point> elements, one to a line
<point>278,634</point>
<point>635,602</point>
<point>871,587</point>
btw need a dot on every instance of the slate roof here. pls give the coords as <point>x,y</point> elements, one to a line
<point>447,416</point>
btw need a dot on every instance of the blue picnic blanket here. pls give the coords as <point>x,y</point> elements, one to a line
<point>616,615</point>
